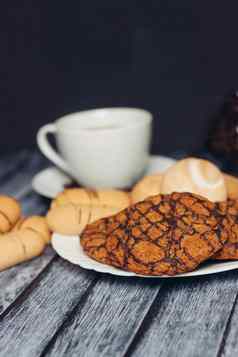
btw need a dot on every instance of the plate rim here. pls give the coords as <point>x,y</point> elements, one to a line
<point>225,266</point>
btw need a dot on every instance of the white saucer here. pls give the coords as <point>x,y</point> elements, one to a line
<point>51,181</point>
<point>69,248</point>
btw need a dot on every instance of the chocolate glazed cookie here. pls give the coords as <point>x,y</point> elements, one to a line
<point>165,234</point>
<point>229,209</point>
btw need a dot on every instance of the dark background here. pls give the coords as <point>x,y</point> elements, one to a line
<point>174,58</point>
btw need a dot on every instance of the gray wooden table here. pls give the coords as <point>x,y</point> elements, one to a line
<point>49,307</point>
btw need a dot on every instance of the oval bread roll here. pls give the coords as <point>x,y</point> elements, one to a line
<point>148,186</point>
<point>68,219</point>
<point>110,198</point>
<point>196,176</point>
<point>74,208</point>
<point>10,212</point>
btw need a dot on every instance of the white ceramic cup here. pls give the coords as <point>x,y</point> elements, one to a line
<point>102,147</point>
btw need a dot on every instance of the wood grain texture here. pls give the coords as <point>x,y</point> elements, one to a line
<point>109,320</point>
<point>19,182</point>
<point>32,204</point>
<point>14,280</point>
<point>28,325</point>
<point>229,345</point>
<point>189,318</point>
<point>10,166</point>
<point>12,163</point>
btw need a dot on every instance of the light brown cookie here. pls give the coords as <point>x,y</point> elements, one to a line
<point>10,212</point>
<point>73,209</point>
<point>148,186</point>
<point>110,198</point>
<point>19,246</point>
<point>36,224</point>
<point>27,240</point>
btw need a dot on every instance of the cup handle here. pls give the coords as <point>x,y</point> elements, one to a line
<point>47,149</point>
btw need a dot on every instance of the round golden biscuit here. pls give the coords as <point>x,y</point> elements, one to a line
<point>196,176</point>
<point>148,186</point>
<point>10,212</point>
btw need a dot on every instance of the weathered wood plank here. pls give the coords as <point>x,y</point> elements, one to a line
<point>9,164</point>
<point>31,322</point>
<point>32,204</point>
<point>16,279</point>
<point>19,183</point>
<point>229,345</point>
<point>109,320</point>
<point>189,318</point>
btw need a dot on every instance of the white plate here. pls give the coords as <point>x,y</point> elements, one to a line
<point>69,248</point>
<point>51,181</point>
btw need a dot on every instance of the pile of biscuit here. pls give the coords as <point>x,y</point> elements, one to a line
<point>21,238</point>
<point>74,208</point>
<point>164,235</point>
<point>168,224</point>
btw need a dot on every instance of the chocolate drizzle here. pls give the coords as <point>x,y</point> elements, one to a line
<point>229,212</point>
<point>165,234</point>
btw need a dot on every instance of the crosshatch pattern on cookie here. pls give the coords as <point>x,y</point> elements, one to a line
<point>229,210</point>
<point>165,234</point>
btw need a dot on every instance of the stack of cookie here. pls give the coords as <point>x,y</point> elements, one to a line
<point>169,223</point>
<point>165,234</point>
<point>21,238</point>
<point>74,208</point>
<point>176,221</point>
